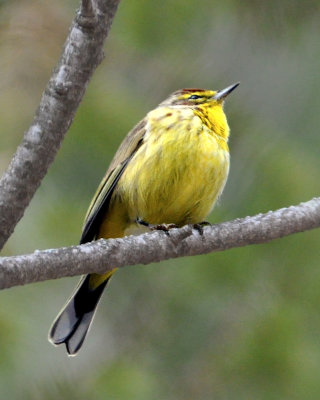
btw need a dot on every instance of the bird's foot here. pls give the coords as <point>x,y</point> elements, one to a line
<point>160,227</point>
<point>164,227</point>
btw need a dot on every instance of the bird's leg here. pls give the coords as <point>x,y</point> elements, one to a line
<point>142,222</point>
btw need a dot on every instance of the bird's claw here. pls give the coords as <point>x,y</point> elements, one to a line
<point>199,226</point>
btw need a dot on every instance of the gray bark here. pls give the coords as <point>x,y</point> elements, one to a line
<point>104,254</point>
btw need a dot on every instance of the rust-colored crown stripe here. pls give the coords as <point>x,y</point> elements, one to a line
<point>192,90</point>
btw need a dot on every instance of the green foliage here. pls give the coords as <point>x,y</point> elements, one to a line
<point>241,324</point>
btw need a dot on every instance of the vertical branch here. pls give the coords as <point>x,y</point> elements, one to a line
<point>82,53</point>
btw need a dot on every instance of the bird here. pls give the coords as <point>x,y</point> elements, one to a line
<point>169,170</point>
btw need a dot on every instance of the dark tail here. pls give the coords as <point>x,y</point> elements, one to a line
<point>73,322</point>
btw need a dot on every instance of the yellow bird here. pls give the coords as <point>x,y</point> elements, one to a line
<point>170,169</point>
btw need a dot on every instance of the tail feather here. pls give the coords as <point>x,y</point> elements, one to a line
<point>73,322</point>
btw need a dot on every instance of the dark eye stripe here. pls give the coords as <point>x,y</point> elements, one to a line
<point>194,97</point>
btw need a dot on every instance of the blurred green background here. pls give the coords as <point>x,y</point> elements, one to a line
<point>242,324</point>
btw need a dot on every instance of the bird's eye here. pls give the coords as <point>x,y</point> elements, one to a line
<point>194,97</point>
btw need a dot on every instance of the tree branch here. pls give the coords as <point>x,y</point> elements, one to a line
<point>82,53</point>
<point>104,254</point>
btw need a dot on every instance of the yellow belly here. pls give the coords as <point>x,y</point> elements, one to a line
<point>177,175</point>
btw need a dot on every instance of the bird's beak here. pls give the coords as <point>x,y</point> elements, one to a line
<point>221,94</point>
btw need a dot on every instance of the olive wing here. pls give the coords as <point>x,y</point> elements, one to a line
<point>101,200</point>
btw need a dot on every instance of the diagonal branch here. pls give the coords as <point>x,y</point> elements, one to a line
<point>103,254</point>
<point>82,53</point>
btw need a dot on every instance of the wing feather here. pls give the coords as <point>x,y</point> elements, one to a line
<point>101,200</point>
